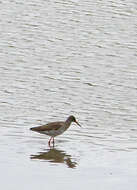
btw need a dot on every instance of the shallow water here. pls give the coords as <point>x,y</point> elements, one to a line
<point>60,58</point>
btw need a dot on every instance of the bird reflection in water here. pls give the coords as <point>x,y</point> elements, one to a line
<point>55,156</point>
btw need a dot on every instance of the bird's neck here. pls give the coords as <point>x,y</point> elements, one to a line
<point>68,122</point>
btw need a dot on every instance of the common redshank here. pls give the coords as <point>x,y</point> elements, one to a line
<point>55,128</point>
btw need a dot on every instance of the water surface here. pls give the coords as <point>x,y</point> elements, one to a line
<point>60,58</point>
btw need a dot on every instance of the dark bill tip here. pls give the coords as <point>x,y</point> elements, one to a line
<point>78,124</point>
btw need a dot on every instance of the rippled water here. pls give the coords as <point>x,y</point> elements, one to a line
<point>60,58</point>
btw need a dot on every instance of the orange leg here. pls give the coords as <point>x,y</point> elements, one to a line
<point>50,141</point>
<point>53,141</point>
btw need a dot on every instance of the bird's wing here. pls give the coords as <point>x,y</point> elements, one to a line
<point>48,127</point>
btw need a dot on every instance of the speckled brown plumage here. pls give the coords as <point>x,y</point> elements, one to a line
<point>55,128</point>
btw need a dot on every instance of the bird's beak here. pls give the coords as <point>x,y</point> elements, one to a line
<point>77,123</point>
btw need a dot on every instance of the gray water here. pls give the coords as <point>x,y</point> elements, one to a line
<point>59,58</point>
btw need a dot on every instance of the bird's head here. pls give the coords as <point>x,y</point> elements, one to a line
<point>73,119</point>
